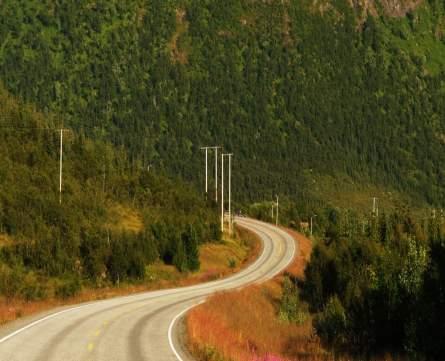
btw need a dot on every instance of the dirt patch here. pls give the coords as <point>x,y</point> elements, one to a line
<point>399,8</point>
<point>392,8</point>
<point>177,54</point>
<point>288,41</point>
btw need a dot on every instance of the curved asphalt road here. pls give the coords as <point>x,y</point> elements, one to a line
<point>138,327</point>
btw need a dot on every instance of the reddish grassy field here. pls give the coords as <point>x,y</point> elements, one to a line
<point>243,325</point>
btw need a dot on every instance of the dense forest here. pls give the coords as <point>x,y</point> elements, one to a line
<point>377,287</point>
<point>115,216</point>
<point>312,97</point>
<point>313,88</point>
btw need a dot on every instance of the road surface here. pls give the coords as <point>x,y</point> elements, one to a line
<point>138,327</point>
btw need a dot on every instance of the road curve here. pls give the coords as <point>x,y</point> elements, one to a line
<point>138,327</point>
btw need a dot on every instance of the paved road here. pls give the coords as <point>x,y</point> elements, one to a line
<point>138,327</point>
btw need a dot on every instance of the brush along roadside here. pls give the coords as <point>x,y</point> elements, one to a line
<point>257,323</point>
<point>217,260</point>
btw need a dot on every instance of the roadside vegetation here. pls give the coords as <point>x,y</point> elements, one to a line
<point>117,222</point>
<point>326,103</point>
<point>377,288</point>
<point>371,291</point>
<point>217,260</point>
<point>260,322</point>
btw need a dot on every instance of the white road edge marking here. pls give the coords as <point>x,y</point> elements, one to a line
<point>172,323</point>
<point>155,295</point>
<point>170,328</point>
<point>158,293</point>
<point>20,330</point>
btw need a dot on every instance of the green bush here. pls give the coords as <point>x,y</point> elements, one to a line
<point>292,309</point>
<point>232,262</point>
<point>11,281</point>
<point>68,287</point>
<point>331,323</point>
<point>33,288</point>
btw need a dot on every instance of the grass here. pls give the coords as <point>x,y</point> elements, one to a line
<point>422,36</point>
<point>343,192</point>
<point>215,258</point>
<point>244,248</point>
<point>243,325</point>
<point>5,240</point>
<point>124,219</point>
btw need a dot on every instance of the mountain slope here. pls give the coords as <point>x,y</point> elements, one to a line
<point>297,90</point>
<point>115,217</point>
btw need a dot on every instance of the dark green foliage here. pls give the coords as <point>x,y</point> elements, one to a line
<point>292,309</point>
<point>180,256</point>
<point>33,288</point>
<point>292,92</point>
<point>380,289</point>
<point>68,287</point>
<point>331,322</point>
<point>80,240</point>
<point>10,281</point>
<point>431,311</point>
<point>190,239</point>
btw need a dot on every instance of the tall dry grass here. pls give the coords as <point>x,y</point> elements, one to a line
<point>243,325</point>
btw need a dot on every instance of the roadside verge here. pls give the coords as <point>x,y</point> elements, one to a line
<point>248,325</point>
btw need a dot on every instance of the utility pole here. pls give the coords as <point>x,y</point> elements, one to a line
<point>230,190</point>
<point>216,173</point>
<point>215,148</point>
<point>276,219</point>
<point>313,216</point>
<point>207,185</point>
<point>229,155</point>
<point>222,193</point>
<point>60,165</point>
<point>103,180</point>
<point>375,207</point>
<point>61,162</point>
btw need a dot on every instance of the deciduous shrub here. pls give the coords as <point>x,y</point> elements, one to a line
<point>67,287</point>
<point>331,323</point>
<point>292,309</point>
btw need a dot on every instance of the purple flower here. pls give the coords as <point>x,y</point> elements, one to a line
<point>268,358</point>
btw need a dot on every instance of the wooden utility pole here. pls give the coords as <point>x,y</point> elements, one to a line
<point>276,216</point>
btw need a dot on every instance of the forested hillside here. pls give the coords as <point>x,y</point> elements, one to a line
<point>115,217</point>
<point>378,288</point>
<point>296,89</point>
<point>321,101</point>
